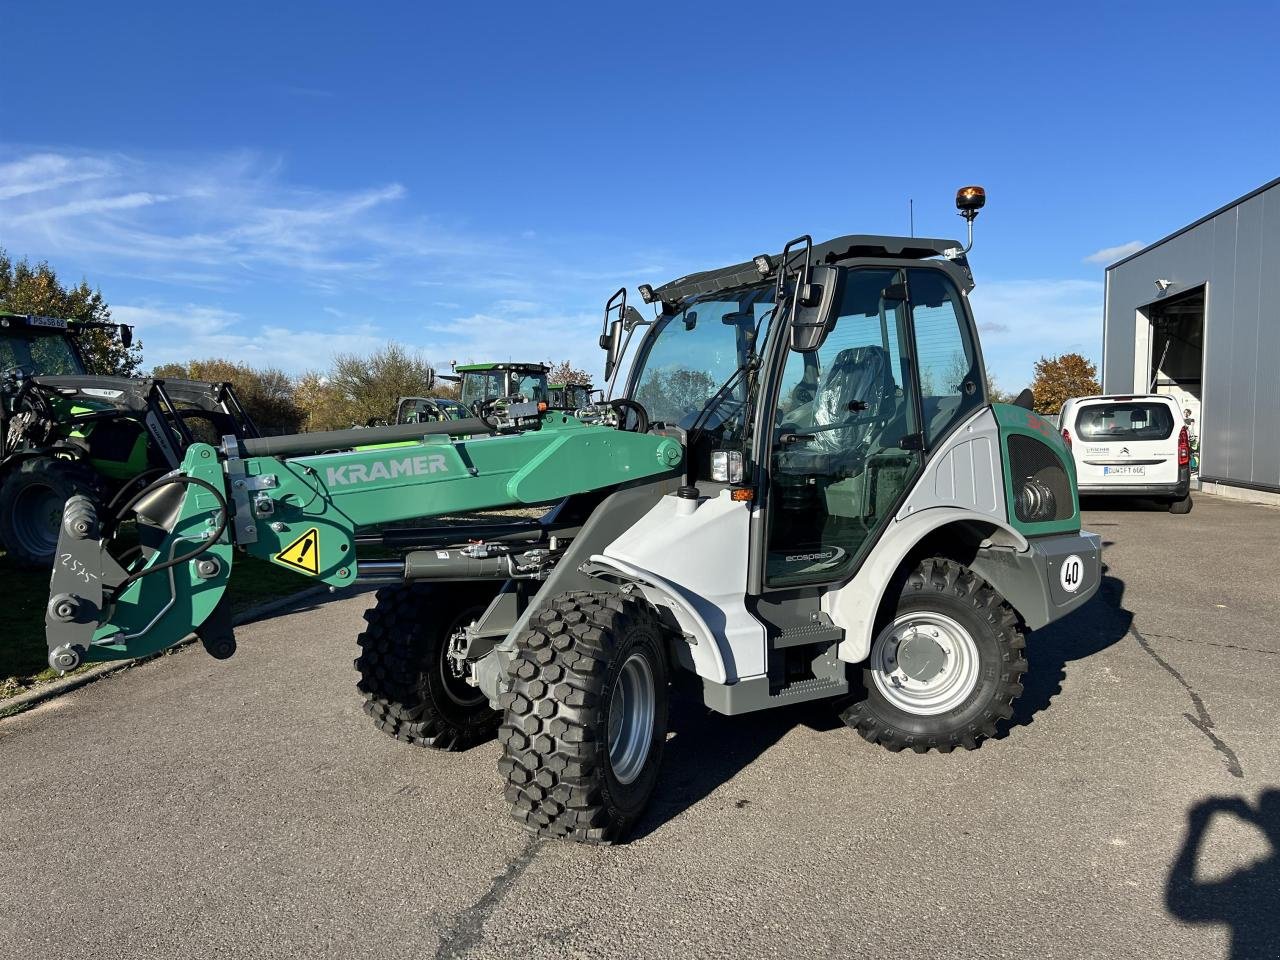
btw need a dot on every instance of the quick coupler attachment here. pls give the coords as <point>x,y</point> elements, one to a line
<point>81,570</point>
<point>119,594</point>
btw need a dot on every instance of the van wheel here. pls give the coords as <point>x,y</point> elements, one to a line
<point>1180,506</point>
<point>945,669</point>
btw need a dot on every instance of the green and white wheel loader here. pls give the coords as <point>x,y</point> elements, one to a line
<point>800,493</point>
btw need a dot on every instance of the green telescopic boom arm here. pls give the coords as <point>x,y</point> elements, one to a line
<point>302,513</point>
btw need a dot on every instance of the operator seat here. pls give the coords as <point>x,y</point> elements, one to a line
<point>857,389</point>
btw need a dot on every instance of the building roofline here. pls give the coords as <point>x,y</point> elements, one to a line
<point>1191,226</point>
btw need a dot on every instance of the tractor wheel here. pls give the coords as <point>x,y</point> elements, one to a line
<point>585,717</point>
<point>946,668</point>
<point>411,690</point>
<point>1180,506</point>
<point>31,500</point>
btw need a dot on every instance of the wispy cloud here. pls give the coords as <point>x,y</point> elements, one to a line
<point>46,171</point>
<point>236,214</point>
<point>90,205</point>
<point>1111,254</point>
<point>227,255</point>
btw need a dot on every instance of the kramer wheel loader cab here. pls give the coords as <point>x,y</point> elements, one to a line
<point>801,493</point>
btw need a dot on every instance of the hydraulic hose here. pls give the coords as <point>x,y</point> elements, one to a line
<point>218,529</point>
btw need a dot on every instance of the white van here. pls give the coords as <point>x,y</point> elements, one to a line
<point>1134,446</point>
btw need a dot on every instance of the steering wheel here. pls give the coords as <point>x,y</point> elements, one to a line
<point>629,411</point>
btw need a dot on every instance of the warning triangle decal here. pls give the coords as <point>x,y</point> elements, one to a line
<point>303,554</point>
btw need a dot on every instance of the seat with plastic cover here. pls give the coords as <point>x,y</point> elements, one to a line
<point>855,398</point>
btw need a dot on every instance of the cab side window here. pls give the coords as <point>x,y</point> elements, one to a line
<point>951,380</point>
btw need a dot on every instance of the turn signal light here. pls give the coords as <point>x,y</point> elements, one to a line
<point>742,494</point>
<point>1184,448</point>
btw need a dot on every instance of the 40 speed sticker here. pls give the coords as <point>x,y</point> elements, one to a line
<point>1072,573</point>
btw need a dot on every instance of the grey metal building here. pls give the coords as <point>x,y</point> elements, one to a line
<point>1197,316</point>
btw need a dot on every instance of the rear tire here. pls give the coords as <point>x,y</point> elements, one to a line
<point>31,500</point>
<point>1180,506</point>
<point>946,668</point>
<point>405,671</point>
<point>585,717</point>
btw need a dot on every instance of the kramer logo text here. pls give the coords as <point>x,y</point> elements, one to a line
<point>386,470</point>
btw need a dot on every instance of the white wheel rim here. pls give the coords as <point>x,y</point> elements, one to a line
<point>924,664</point>
<point>631,713</point>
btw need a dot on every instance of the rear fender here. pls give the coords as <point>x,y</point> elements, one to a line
<point>855,606</point>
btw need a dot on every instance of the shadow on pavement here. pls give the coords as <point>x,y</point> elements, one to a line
<point>1244,900</point>
<point>708,750</point>
<point>1099,624</point>
<point>1130,504</point>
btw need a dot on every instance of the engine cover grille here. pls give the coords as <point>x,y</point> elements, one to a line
<point>1041,486</point>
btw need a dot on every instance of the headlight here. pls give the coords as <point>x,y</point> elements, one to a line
<point>1034,501</point>
<point>726,466</point>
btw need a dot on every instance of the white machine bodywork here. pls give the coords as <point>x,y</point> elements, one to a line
<point>701,547</point>
<point>964,481</point>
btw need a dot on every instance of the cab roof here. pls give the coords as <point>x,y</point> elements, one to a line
<point>502,365</point>
<point>851,247</point>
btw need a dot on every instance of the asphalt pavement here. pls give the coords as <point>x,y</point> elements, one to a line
<point>248,808</point>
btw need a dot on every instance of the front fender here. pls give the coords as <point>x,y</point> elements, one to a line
<point>704,644</point>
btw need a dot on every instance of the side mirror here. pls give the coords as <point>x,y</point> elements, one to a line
<point>431,378</point>
<point>126,335</point>
<point>813,308</point>
<point>613,348</point>
<point>1026,399</point>
<point>611,335</point>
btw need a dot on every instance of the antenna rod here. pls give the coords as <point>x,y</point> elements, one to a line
<point>911,214</point>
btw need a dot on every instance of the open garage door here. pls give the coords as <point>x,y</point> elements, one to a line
<point>1177,353</point>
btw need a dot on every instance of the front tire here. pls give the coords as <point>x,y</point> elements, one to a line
<point>406,675</point>
<point>945,669</point>
<point>31,500</point>
<point>585,717</point>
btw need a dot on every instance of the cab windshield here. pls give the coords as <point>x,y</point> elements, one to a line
<point>690,355</point>
<point>478,386</point>
<point>39,355</point>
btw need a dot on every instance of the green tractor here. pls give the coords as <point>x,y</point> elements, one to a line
<point>569,396</point>
<point>64,431</point>
<point>802,493</point>
<point>483,384</point>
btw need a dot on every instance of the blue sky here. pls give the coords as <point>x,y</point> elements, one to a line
<point>279,182</point>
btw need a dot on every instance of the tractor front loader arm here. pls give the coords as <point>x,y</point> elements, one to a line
<point>302,513</point>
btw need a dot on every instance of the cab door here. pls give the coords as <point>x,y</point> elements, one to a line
<point>854,420</point>
<point>845,440</point>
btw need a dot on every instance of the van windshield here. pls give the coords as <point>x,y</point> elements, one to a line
<point>1124,421</point>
